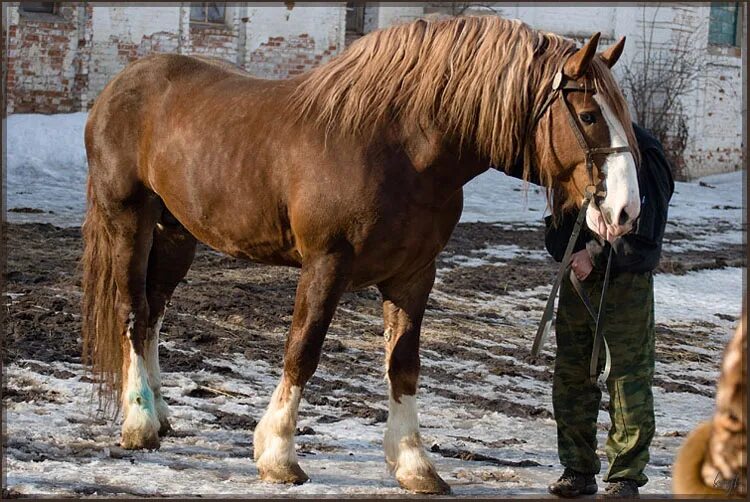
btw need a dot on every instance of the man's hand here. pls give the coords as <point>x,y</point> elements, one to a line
<point>580,263</point>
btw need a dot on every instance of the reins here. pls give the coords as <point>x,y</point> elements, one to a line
<point>560,84</point>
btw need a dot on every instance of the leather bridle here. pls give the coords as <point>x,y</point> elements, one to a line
<point>595,191</point>
<point>560,85</point>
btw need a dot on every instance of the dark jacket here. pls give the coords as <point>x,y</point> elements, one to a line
<point>638,251</point>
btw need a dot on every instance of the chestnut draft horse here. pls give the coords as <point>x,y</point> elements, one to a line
<point>352,172</point>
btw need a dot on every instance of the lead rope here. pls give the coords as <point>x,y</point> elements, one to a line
<point>549,310</point>
<point>597,316</point>
<point>546,322</point>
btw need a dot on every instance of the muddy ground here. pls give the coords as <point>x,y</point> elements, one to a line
<point>227,307</point>
<point>43,274</point>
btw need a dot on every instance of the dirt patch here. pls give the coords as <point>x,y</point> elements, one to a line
<point>226,306</point>
<point>469,237</point>
<point>517,274</point>
<point>729,255</point>
<point>234,421</point>
<point>478,457</point>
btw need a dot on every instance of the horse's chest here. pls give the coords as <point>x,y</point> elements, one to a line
<point>408,236</point>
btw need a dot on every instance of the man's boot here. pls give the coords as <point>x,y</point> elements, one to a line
<point>573,484</point>
<point>622,489</point>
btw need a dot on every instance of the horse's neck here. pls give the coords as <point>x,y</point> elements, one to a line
<point>432,153</point>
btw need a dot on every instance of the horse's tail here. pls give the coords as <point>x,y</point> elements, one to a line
<point>102,345</point>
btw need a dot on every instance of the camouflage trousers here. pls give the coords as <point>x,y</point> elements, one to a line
<point>628,326</point>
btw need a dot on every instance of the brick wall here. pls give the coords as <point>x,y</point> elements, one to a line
<point>281,58</point>
<point>225,41</point>
<point>46,56</point>
<point>61,62</point>
<point>284,42</point>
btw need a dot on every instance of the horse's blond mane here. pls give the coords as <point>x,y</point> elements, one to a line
<point>481,79</point>
<point>470,74</point>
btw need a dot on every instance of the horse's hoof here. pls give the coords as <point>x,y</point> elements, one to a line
<point>138,440</point>
<point>431,484</point>
<point>287,474</point>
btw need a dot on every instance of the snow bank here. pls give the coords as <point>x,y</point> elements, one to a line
<point>46,167</point>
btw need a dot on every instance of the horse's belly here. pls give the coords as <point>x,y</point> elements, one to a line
<point>241,228</point>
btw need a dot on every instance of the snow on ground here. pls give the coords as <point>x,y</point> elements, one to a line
<point>46,172</point>
<point>46,168</point>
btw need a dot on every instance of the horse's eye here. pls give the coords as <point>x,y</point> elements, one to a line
<point>587,118</point>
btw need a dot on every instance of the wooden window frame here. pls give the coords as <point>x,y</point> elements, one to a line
<point>23,6</point>
<point>205,22</point>
<point>358,9</point>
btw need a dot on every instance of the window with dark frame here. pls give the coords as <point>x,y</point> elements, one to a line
<point>38,7</point>
<point>355,17</point>
<point>724,24</point>
<point>208,13</point>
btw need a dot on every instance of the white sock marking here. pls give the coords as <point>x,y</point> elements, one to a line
<point>404,452</point>
<point>273,439</point>
<point>154,371</point>
<point>140,410</point>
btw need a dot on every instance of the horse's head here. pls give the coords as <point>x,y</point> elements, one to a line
<point>586,142</point>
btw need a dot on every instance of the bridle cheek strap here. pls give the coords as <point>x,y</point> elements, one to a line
<point>561,85</point>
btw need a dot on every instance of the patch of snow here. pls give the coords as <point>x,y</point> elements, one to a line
<point>46,167</point>
<point>699,295</point>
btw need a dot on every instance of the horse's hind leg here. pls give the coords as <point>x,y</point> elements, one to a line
<point>132,222</point>
<point>404,302</point>
<point>319,289</point>
<point>172,253</point>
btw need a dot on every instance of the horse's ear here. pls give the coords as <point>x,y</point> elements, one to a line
<point>612,54</point>
<point>577,64</point>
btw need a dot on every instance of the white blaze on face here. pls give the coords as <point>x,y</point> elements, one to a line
<point>623,196</point>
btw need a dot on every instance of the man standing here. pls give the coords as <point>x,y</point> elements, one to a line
<point>628,327</point>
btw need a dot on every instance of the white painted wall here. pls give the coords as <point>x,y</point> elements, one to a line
<point>131,24</point>
<point>393,13</point>
<point>323,23</point>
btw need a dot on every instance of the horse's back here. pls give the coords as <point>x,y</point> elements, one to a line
<point>125,115</point>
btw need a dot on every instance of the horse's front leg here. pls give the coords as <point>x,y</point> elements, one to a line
<point>322,280</point>
<point>404,301</point>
